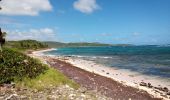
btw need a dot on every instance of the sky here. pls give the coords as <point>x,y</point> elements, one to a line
<point>105,21</point>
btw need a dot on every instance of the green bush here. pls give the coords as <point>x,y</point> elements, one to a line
<point>16,66</point>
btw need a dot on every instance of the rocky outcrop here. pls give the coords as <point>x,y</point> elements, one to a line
<point>63,92</point>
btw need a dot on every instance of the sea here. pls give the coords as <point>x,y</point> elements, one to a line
<point>151,60</point>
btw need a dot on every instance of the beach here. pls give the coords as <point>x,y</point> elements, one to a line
<point>112,82</point>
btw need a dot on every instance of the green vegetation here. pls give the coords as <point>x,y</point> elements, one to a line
<point>28,72</point>
<point>33,44</point>
<point>25,71</point>
<point>59,44</point>
<point>25,45</point>
<point>51,78</point>
<point>16,65</point>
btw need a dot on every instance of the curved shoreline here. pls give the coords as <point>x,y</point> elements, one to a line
<point>121,76</point>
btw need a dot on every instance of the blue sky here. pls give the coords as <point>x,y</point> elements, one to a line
<point>106,21</point>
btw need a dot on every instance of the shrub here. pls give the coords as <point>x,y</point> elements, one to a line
<point>16,65</point>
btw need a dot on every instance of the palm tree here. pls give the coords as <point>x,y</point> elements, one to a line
<point>2,39</point>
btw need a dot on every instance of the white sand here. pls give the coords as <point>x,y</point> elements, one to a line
<point>40,52</point>
<point>126,77</point>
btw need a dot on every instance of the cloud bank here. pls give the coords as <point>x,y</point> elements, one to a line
<point>36,34</point>
<point>24,7</point>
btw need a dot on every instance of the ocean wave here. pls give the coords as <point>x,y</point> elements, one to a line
<point>168,45</point>
<point>94,57</point>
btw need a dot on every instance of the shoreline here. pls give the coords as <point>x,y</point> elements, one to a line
<point>40,52</point>
<point>124,77</point>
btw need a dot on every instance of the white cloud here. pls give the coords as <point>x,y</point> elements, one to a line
<point>86,6</point>
<point>36,34</point>
<point>136,34</point>
<point>106,34</point>
<point>24,7</point>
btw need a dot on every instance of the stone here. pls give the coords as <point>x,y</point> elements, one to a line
<point>13,84</point>
<point>25,61</point>
<point>168,93</point>
<point>12,97</point>
<point>149,85</point>
<point>71,96</point>
<point>8,85</point>
<point>24,98</point>
<point>82,95</point>
<point>165,89</point>
<point>143,84</point>
<point>159,88</point>
<point>164,96</point>
<point>83,90</point>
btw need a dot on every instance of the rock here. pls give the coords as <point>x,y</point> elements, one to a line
<point>157,91</point>
<point>67,86</point>
<point>83,90</point>
<point>149,85</point>
<point>164,96</point>
<point>76,78</point>
<point>12,97</point>
<point>165,89</point>
<point>25,61</point>
<point>71,96</point>
<point>13,84</point>
<point>143,84</point>
<point>51,97</point>
<point>57,93</point>
<point>159,88</point>
<point>82,95</point>
<point>35,90</point>
<point>8,85</point>
<point>168,93</point>
<point>24,98</point>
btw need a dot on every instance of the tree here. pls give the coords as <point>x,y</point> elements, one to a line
<point>0,7</point>
<point>2,39</point>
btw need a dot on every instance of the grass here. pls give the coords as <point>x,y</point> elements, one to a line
<point>51,78</point>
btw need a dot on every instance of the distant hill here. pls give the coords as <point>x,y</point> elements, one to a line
<point>25,44</point>
<point>81,44</point>
<point>33,44</point>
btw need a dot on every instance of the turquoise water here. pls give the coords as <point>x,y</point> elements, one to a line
<point>149,60</point>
